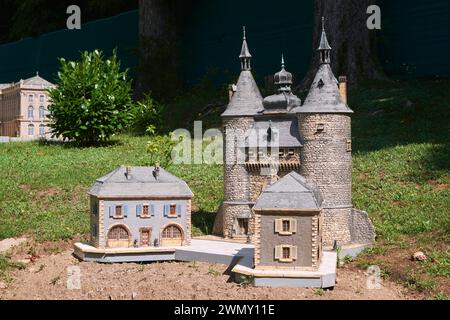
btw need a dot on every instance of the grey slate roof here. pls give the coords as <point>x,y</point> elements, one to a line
<point>324,94</point>
<point>140,184</point>
<point>290,192</point>
<point>287,129</point>
<point>247,100</point>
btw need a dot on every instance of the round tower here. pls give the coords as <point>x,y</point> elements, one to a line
<point>326,158</point>
<point>245,103</point>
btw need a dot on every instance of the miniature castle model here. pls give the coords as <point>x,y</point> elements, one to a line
<point>24,108</point>
<point>140,207</point>
<point>313,140</point>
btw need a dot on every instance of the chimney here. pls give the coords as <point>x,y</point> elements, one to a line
<point>343,88</point>
<point>128,172</point>
<point>156,172</point>
<point>231,90</point>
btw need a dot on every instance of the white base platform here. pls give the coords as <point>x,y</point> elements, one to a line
<point>236,255</point>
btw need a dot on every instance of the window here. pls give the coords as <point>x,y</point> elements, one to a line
<point>281,153</point>
<point>145,211</point>
<point>42,130</point>
<point>31,130</point>
<point>94,208</point>
<point>291,152</point>
<point>30,112</point>
<point>173,210</point>
<point>94,230</point>
<point>118,211</point>
<point>286,253</point>
<point>286,226</point>
<point>320,127</point>
<point>42,99</point>
<point>349,145</point>
<point>30,97</point>
<point>172,232</point>
<point>41,112</point>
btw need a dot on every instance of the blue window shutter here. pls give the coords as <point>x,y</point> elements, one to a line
<point>166,210</point>
<point>139,210</point>
<point>125,211</point>
<point>179,210</point>
<point>152,210</point>
<point>112,209</point>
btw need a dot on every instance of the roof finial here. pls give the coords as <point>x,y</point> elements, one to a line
<point>324,47</point>
<point>37,73</point>
<point>282,61</point>
<point>245,55</point>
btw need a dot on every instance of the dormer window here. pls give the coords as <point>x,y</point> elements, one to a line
<point>281,153</point>
<point>321,84</point>
<point>291,152</point>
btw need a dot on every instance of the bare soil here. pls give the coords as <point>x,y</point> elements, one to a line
<point>46,278</point>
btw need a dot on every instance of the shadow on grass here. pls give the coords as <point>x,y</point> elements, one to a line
<point>77,145</point>
<point>203,221</point>
<point>398,113</point>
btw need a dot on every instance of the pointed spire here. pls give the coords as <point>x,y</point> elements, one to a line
<point>324,47</point>
<point>245,55</point>
<point>282,61</point>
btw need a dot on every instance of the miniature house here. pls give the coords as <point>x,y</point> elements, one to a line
<point>140,207</point>
<point>288,217</point>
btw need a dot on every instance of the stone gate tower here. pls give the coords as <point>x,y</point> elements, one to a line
<point>238,118</point>
<point>326,158</point>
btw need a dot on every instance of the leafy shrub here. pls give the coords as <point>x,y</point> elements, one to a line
<point>160,150</point>
<point>92,101</point>
<point>147,116</point>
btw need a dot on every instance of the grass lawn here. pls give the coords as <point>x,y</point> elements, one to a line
<point>401,176</point>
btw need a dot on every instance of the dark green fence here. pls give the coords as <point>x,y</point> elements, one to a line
<point>23,58</point>
<point>414,41</point>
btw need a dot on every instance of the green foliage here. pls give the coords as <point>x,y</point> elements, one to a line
<point>147,116</point>
<point>160,149</point>
<point>92,101</point>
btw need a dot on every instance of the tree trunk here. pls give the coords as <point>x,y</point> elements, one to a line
<point>158,51</point>
<point>354,46</point>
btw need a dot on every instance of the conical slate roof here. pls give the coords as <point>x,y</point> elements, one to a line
<point>290,192</point>
<point>247,100</point>
<point>324,96</point>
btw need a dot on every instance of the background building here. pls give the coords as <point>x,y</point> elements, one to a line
<point>24,108</point>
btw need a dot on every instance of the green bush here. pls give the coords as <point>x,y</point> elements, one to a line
<point>160,149</point>
<point>148,117</point>
<point>92,100</point>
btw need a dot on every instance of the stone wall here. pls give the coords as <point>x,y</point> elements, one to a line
<point>237,183</point>
<point>326,159</point>
<point>362,230</point>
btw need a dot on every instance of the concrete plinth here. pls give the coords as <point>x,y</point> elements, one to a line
<point>324,277</point>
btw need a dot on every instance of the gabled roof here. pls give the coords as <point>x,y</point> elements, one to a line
<point>286,128</point>
<point>36,81</point>
<point>247,100</point>
<point>324,96</point>
<point>141,183</point>
<point>290,192</point>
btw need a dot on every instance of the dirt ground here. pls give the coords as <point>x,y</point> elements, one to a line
<point>46,279</point>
